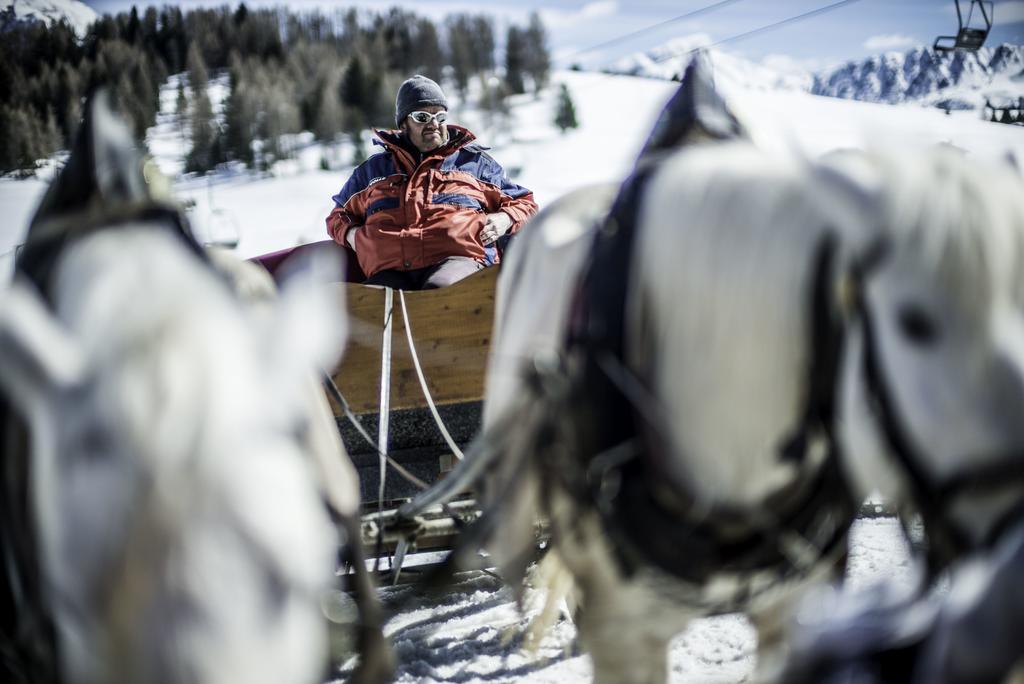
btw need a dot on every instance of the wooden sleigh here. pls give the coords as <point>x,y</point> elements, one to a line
<point>450,332</point>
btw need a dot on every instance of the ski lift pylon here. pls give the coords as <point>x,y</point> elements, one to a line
<point>968,37</point>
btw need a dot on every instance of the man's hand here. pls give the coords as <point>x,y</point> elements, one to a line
<point>496,225</point>
<point>350,237</point>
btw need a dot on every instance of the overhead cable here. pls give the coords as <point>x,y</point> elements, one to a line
<point>765,28</point>
<point>639,32</point>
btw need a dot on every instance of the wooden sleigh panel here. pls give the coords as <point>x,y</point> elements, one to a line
<point>451,330</point>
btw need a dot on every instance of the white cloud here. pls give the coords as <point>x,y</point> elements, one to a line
<point>605,8</point>
<point>592,10</point>
<point>1009,12</point>
<point>889,41</point>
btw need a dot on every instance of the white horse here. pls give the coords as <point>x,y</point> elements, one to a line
<point>697,471</point>
<point>181,452</point>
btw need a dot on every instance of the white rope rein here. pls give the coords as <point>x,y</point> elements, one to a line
<point>385,393</point>
<point>423,382</point>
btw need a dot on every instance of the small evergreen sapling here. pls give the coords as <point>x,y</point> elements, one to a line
<point>565,111</point>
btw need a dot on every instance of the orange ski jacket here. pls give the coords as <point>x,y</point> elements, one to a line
<point>412,214</point>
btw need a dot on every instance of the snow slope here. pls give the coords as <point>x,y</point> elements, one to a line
<point>615,114</point>
<point>78,14</point>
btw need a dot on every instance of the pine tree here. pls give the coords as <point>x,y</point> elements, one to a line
<point>494,104</point>
<point>362,92</point>
<point>355,86</point>
<point>133,32</point>
<point>239,116</point>
<point>538,62</point>
<point>460,52</point>
<point>565,112</point>
<point>72,117</point>
<point>26,139</point>
<point>51,137</point>
<point>181,101</point>
<point>201,157</point>
<point>515,60</point>
<point>12,139</point>
<point>281,118</point>
<point>69,93</point>
<point>482,35</point>
<point>328,122</point>
<point>198,78</point>
<point>398,39</point>
<point>428,56</point>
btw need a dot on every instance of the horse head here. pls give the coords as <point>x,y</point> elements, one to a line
<point>933,376</point>
<point>181,527</point>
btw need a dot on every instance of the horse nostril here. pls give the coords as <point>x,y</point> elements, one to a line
<point>917,325</point>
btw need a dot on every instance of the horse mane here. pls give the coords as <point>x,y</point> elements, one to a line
<point>965,215</point>
<point>719,311</point>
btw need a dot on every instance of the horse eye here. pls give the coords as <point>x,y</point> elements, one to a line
<point>917,325</point>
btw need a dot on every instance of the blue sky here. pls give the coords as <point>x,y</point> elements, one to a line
<point>852,31</point>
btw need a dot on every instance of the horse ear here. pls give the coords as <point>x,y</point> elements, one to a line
<point>106,181</point>
<point>696,113</point>
<point>39,354</point>
<point>105,167</point>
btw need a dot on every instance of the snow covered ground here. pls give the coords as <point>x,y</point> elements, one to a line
<point>473,632</point>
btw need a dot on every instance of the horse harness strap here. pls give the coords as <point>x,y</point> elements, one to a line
<point>48,239</point>
<point>619,439</point>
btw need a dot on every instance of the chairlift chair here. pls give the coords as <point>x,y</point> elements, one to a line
<point>968,37</point>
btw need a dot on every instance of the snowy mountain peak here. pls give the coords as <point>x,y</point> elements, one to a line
<point>78,15</point>
<point>954,80</point>
<point>670,59</point>
<point>961,79</point>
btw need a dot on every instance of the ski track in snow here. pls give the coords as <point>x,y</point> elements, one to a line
<point>474,631</point>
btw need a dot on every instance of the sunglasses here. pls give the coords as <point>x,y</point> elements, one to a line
<point>427,117</point>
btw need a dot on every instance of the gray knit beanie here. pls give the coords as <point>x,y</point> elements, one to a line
<point>416,92</point>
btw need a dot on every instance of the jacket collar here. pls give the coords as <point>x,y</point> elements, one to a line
<point>395,142</point>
